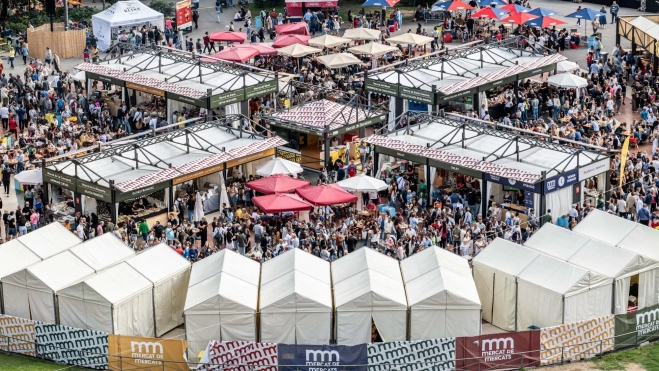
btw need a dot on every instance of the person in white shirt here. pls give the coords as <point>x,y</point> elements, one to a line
<point>4,115</point>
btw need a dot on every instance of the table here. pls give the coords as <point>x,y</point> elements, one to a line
<point>212,203</point>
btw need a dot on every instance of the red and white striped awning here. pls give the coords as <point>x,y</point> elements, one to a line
<point>321,113</point>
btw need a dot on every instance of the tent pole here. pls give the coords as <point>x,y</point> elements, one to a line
<point>516,296</point>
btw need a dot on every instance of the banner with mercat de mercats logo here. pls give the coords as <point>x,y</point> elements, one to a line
<point>638,327</point>
<point>146,354</point>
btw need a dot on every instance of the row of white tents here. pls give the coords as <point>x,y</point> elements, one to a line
<point>561,276</point>
<point>298,298</point>
<point>49,275</point>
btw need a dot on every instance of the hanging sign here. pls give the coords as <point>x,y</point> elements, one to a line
<point>322,357</point>
<point>198,102</point>
<point>377,86</point>
<point>94,190</point>
<point>535,188</point>
<point>416,95</point>
<point>184,14</point>
<point>250,158</point>
<point>59,179</point>
<point>559,182</point>
<point>227,98</point>
<point>145,89</point>
<point>261,89</point>
<point>111,80</point>
<point>141,192</point>
<point>197,174</point>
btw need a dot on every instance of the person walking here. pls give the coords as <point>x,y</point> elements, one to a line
<point>614,12</point>
<point>6,177</point>
<point>10,57</point>
<point>24,52</point>
<point>578,19</point>
<point>218,10</point>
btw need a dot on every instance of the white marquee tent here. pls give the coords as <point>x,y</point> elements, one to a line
<point>532,289</point>
<point>368,288</point>
<point>123,14</point>
<point>296,299</point>
<point>49,240</point>
<point>630,236</point>
<point>102,252</point>
<point>442,295</point>
<point>118,300</point>
<point>222,300</point>
<point>31,292</point>
<point>169,273</point>
<point>594,255</point>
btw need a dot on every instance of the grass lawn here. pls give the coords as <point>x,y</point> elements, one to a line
<point>16,362</point>
<point>647,357</point>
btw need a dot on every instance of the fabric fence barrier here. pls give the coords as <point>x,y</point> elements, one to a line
<point>298,357</point>
<point>146,354</point>
<point>424,355</point>
<point>635,328</point>
<point>72,346</point>
<point>498,351</point>
<point>577,341</point>
<point>246,355</point>
<point>17,335</point>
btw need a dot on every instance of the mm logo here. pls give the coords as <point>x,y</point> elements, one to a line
<point>146,347</point>
<point>647,317</point>
<point>498,344</point>
<point>322,356</point>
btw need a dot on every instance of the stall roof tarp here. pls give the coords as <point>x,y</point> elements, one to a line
<point>15,256</point>
<point>49,240</point>
<point>102,252</point>
<point>506,257</point>
<point>321,113</point>
<point>228,262</point>
<point>128,13</point>
<point>159,263</point>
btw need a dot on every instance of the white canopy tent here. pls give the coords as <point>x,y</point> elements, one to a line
<point>169,273</point>
<point>102,252</point>
<point>442,295</point>
<point>123,14</point>
<point>630,236</point>
<point>594,255</point>
<point>118,300</point>
<point>296,299</point>
<point>368,288</point>
<point>567,80</point>
<point>31,292</point>
<point>222,300</point>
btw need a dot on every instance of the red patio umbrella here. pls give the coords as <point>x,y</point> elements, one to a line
<point>544,22</point>
<point>299,28</point>
<point>280,202</point>
<point>519,18</point>
<point>234,55</point>
<point>228,36</point>
<point>325,195</point>
<point>262,48</point>
<point>277,183</point>
<point>286,40</point>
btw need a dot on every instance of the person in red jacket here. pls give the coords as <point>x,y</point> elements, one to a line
<point>12,126</point>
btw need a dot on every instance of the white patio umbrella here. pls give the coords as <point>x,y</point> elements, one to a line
<point>279,166</point>
<point>567,80</point>
<point>373,49</point>
<point>224,197</point>
<point>339,60</point>
<point>328,41</point>
<point>31,177</point>
<point>363,183</point>
<point>362,34</point>
<point>410,38</point>
<point>298,50</point>
<point>80,76</point>
<point>198,209</point>
<point>566,66</point>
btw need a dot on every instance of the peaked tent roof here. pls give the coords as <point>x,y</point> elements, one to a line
<point>102,252</point>
<point>49,240</point>
<point>52,274</point>
<point>159,263</point>
<point>115,284</point>
<point>15,256</point>
<point>128,13</point>
<point>225,261</point>
<point>318,114</point>
<point>222,292</point>
<point>506,257</point>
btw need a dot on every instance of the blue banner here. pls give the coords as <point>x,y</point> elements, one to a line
<point>322,357</point>
<point>535,188</point>
<point>564,180</point>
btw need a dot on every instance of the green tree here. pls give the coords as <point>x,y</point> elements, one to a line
<point>163,6</point>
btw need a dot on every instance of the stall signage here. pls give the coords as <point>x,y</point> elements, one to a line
<point>399,154</point>
<point>197,174</point>
<point>111,80</point>
<point>297,128</point>
<point>141,192</point>
<point>320,4</point>
<point>361,124</point>
<point>145,89</point>
<point>532,187</point>
<point>528,199</point>
<point>538,71</point>
<point>227,98</point>
<point>184,14</point>
<point>416,95</point>
<point>94,190</point>
<point>594,169</point>
<point>294,5</point>
<point>455,169</point>
<point>62,180</point>
<point>564,180</point>
<point>250,158</point>
<point>322,357</point>
<point>377,86</point>
<point>637,327</point>
<point>289,154</point>
<point>261,89</point>
<point>198,102</point>
<point>498,351</point>
<point>498,83</point>
<point>448,98</point>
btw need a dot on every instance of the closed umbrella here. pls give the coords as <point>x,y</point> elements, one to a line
<point>277,183</point>
<point>228,36</point>
<point>31,177</point>
<point>286,40</point>
<point>339,60</point>
<point>263,49</point>
<point>298,50</point>
<point>362,33</point>
<point>280,202</point>
<point>567,80</point>
<point>279,166</point>
<point>363,183</point>
<point>198,209</point>
<point>328,41</point>
<point>410,38</point>
<point>325,195</point>
<point>373,49</point>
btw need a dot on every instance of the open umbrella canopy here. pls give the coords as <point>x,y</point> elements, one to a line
<point>519,18</point>
<point>363,183</point>
<point>544,12</point>
<point>279,166</point>
<point>450,6</point>
<point>514,9</point>
<point>277,183</point>
<point>286,40</point>
<point>298,50</point>
<point>280,202</point>
<point>262,48</point>
<point>585,13</point>
<point>492,13</point>
<point>373,49</point>
<point>410,38</point>
<point>29,177</point>
<point>491,2</point>
<point>236,54</point>
<point>362,33</point>
<point>384,3</point>
<point>325,195</point>
<point>565,66</point>
<point>228,36</point>
<point>298,28</point>
<point>567,80</point>
<point>544,22</point>
<point>328,41</point>
<point>339,60</point>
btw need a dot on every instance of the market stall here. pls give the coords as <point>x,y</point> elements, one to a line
<point>121,17</point>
